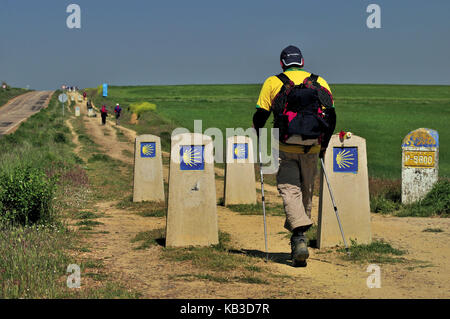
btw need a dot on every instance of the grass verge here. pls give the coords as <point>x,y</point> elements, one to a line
<point>385,198</point>
<point>8,94</point>
<point>376,252</point>
<point>35,258</point>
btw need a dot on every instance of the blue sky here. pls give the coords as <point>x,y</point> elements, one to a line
<point>139,42</point>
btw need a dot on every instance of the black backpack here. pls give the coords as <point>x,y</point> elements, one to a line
<point>297,109</point>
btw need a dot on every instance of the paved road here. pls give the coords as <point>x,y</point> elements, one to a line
<point>21,108</point>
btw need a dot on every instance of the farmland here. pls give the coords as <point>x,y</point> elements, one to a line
<point>382,114</point>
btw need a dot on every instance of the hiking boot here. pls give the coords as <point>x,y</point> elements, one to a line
<point>299,247</point>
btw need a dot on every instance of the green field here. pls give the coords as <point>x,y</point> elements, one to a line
<point>382,114</point>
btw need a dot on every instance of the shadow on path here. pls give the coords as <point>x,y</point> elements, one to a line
<point>280,258</point>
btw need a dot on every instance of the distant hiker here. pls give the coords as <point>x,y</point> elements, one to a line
<point>117,111</point>
<point>104,114</point>
<point>84,95</point>
<point>303,110</point>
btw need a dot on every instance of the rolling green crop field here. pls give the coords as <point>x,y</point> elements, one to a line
<point>382,114</point>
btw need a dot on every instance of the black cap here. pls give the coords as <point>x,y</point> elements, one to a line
<point>291,56</point>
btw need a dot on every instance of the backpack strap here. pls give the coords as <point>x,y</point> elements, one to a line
<point>314,77</point>
<point>283,78</point>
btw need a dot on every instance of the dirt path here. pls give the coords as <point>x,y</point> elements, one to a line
<point>327,276</point>
<point>75,140</point>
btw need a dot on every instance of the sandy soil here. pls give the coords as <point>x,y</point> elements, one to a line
<point>326,276</point>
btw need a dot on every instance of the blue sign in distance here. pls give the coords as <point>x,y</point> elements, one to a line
<point>240,151</point>
<point>345,159</point>
<point>105,90</point>
<point>192,158</point>
<point>148,149</point>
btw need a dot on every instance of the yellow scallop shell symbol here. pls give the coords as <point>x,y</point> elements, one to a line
<point>148,149</point>
<point>239,151</point>
<point>344,159</point>
<point>192,157</point>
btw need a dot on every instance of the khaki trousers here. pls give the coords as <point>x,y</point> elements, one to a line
<point>295,181</point>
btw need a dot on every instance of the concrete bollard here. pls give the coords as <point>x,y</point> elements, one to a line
<point>346,167</point>
<point>239,171</point>
<point>148,170</point>
<point>191,213</point>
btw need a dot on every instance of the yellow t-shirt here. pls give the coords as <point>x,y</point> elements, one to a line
<point>270,89</point>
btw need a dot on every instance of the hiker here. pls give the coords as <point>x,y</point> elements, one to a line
<point>84,95</point>
<point>117,111</point>
<point>306,123</point>
<point>104,114</point>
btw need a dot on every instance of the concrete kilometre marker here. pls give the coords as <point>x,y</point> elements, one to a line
<point>346,167</point>
<point>191,213</point>
<point>239,172</point>
<point>148,170</point>
<point>420,163</point>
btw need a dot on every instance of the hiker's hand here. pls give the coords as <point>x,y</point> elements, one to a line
<point>322,152</point>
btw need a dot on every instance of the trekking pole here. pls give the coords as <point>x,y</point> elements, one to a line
<point>263,199</point>
<point>334,206</point>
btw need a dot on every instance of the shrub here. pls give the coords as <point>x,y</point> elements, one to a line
<point>439,198</point>
<point>139,108</point>
<point>383,205</point>
<point>60,138</point>
<point>436,202</point>
<point>26,196</point>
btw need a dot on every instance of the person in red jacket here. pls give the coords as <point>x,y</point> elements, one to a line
<point>104,114</point>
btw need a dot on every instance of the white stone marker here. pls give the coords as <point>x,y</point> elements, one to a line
<point>420,162</point>
<point>346,166</point>
<point>148,170</point>
<point>239,171</point>
<point>191,213</point>
<point>77,111</point>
